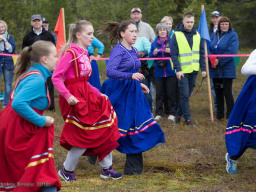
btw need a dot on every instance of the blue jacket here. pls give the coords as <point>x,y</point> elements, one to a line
<point>166,71</point>
<point>227,43</point>
<point>96,43</point>
<point>175,49</point>
<point>7,61</point>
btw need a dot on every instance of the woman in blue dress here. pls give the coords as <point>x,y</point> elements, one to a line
<point>139,131</point>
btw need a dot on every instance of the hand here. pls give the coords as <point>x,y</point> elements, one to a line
<point>138,76</point>
<point>179,75</point>
<point>49,121</point>
<point>98,55</point>
<point>2,38</point>
<point>216,63</point>
<point>72,100</point>
<point>204,74</point>
<point>155,51</point>
<point>167,50</point>
<point>103,95</point>
<point>144,88</point>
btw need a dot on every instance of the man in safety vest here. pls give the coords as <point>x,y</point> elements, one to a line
<point>187,53</point>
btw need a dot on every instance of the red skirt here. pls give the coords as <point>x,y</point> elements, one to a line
<point>26,155</point>
<point>91,123</point>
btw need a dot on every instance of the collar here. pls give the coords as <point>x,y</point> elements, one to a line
<point>39,32</point>
<point>43,70</point>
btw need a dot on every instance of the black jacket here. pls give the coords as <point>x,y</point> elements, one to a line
<point>32,37</point>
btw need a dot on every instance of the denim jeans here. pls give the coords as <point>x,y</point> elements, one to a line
<point>186,86</point>
<point>8,77</point>
<point>213,93</point>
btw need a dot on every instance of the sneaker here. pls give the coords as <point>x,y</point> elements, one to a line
<point>158,117</point>
<point>231,166</point>
<point>177,120</point>
<point>66,176</point>
<point>110,173</point>
<point>189,123</point>
<point>171,117</point>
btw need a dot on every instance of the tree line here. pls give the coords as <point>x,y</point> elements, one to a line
<point>17,14</point>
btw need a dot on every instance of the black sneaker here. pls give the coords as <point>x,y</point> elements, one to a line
<point>176,120</point>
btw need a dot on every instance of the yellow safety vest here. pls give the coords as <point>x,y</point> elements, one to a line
<point>189,59</point>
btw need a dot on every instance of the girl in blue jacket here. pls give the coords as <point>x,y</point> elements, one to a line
<point>165,76</point>
<point>223,70</point>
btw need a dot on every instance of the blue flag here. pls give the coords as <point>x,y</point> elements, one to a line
<point>203,28</point>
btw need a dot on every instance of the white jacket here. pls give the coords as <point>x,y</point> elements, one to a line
<point>249,68</point>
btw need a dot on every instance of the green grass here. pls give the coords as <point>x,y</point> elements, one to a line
<point>190,160</point>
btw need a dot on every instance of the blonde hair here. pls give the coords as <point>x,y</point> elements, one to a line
<point>73,29</point>
<point>166,18</point>
<point>5,24</point>
<point>31,54</point>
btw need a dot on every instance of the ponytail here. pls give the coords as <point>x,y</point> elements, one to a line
<point>113,29</point>
<point>23,63</point>
<point>73,29</point>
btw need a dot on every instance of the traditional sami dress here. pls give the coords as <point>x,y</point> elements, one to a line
<point>139,131</point>
<point>92,122</point>
<point>241,129</point>
<point>26,157</point>
<point>94,79</point>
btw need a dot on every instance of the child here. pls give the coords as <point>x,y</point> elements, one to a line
<point>90,126</point>
<point>26,135</point>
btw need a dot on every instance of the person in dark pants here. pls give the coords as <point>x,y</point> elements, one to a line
<point>187,53</point>
<point>165,76</point>
<point>223,70</point>
<point>139,131</point>
<point>37,33</point>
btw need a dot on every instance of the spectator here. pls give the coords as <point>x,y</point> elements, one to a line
<point>223,70</point>
<point>46,27</point>
<point>39,33</point>
<point>169,23</point>
<point>144,29</point>
<point>94,80</point>
<point>26,135</point>
<point>165,76</point>
<point>187,56</point>
<point>215,17</point>
<point>7,45</point>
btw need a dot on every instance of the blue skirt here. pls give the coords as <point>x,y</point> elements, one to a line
<point>139,131</point>
<point>241,129</point>
<point>94,80</point>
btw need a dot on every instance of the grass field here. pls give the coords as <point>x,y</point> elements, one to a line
<point>192,159</point>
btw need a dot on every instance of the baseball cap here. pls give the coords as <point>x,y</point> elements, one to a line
<point>216,14</point>
<point>34,17</point>
<point>136,10</point>
<point>45,20</point>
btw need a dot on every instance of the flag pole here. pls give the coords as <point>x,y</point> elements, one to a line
<point>63,16</point>
<point>208,75</point>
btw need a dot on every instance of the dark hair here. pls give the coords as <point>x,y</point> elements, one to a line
<point>225,19</point>
<point>31,54</point>
<point>188,14</point>
<point>113,29</point>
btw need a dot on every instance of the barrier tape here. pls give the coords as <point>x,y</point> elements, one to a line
<point>154,58</point>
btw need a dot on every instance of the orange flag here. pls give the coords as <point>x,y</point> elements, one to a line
<point>60,31</point>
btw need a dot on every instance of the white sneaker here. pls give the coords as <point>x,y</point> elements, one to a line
<point>171,117</point>
<point>158,117</point>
